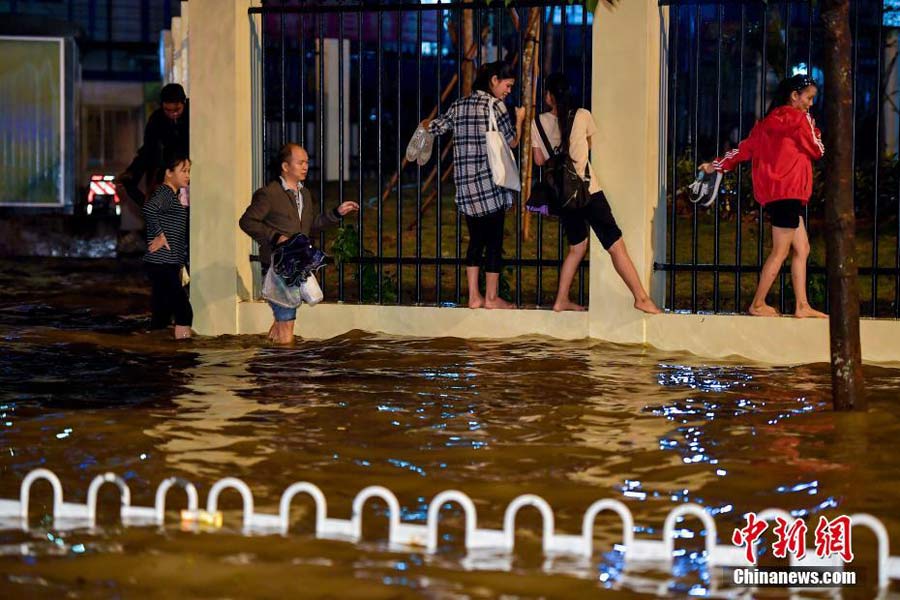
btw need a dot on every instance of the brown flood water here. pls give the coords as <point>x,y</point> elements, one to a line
<point>83,390</point>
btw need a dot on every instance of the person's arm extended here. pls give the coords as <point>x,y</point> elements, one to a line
<point>441,124</point>
<point>331,217</point>
<point>732,158</point>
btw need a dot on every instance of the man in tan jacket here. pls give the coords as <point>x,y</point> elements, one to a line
<point>280,209</point>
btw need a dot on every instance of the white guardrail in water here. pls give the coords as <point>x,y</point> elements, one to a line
<point>68,515</point>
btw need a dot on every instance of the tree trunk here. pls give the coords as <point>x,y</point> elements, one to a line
<point>530,63</point>
<point>468,66</point>
<point>843,286</point>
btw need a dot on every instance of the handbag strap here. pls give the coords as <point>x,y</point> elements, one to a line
<point>550,150</point>
<point>492,119</point>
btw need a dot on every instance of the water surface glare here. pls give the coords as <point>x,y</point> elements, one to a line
<point>84,391</point>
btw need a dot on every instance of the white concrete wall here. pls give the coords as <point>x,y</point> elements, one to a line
<point>221,148</point>
<point>626,106</point>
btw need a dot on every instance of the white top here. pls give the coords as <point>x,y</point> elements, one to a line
<point>583,127</point>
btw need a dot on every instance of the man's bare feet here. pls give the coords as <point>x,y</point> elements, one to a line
<point>647,305</point>
<point>808,312</point>
<point>476,301</point>
<point>498,303</point>
<point>762,310</point>
<point>182,332</point>
<point>567,304</point>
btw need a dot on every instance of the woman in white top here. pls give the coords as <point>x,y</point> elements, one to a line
<point>579,129</point>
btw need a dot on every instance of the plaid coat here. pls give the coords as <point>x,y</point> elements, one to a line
<point>476,193</point>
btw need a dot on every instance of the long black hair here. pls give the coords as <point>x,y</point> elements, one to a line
<point>499,69</point>
<point>557,85</point>
<point>788,86</point>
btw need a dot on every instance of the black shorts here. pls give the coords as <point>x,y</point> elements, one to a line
<point>598,215</point>
<point>785,213</point>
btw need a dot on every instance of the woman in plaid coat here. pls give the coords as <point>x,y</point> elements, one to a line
<point>478,198</point>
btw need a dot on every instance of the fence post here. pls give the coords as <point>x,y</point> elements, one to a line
<point>222,172</point>
<point>625,102</point>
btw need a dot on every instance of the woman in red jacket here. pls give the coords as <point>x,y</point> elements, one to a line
<point>782,147</point>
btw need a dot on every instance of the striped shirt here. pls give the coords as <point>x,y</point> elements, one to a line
<point>476,193</point>
<point>164,213</point>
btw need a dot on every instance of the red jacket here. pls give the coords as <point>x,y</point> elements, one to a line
<point>782,147</point>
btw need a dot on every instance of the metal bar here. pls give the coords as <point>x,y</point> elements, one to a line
<point>459,67</point>
<point>585,69</point>
<point>711,268</point>
<point>399,158</point>
<point>560,243</point>
<point>380,222</point>
<point>281,70</point>
<point>340,52</point>
<point>360,119</point>
<point>317,8</point>
<point>716,211</point>
<point>439,260</point>
<point>695,142</point>
<point>738,209</point>
<point>787,66</point>
<point>418,168</point>
<point>263,101</point>
<point>762,111</point>
<point>439,252</point>
<point>878,52</point>
<point>302,43</point>
<point>673,221</point>
<point>320,137</point>
<point>539,245</point>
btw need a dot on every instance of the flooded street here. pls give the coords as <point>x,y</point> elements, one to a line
<point>84,390</point>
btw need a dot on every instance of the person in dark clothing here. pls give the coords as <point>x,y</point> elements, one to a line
<point>279,210</point>
<point>166,134</point>
<point>166,256</point>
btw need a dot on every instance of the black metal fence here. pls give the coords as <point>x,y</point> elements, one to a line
<point>724,61</point>
<point>350,81</point>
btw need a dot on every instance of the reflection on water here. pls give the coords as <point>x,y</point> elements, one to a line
<point>83,391</point>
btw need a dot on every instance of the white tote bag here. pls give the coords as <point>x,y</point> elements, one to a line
<point>504,170</point>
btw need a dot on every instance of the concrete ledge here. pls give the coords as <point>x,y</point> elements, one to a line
<point>777,341</point>
<point>331,319</point>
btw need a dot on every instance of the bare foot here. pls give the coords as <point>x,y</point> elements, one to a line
<point>762,310</point>
<point>476,302</point>
<point>498,303</point>
<point>568,305</point>
<point>647,305</point>
<point>182,332</point>
<point>808,312</point>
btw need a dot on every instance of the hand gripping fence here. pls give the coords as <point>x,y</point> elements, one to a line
<point>405,535</point>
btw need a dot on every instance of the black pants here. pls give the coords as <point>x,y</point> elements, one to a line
<point>167,297</point>
<point>486,239</point>
<point>598,215</point>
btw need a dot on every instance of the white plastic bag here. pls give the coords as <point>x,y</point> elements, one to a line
<point>310,291</point>
<point>276,291</point>
<point>504,170</point>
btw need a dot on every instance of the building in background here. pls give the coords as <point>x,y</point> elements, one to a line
<point>78,79</point>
